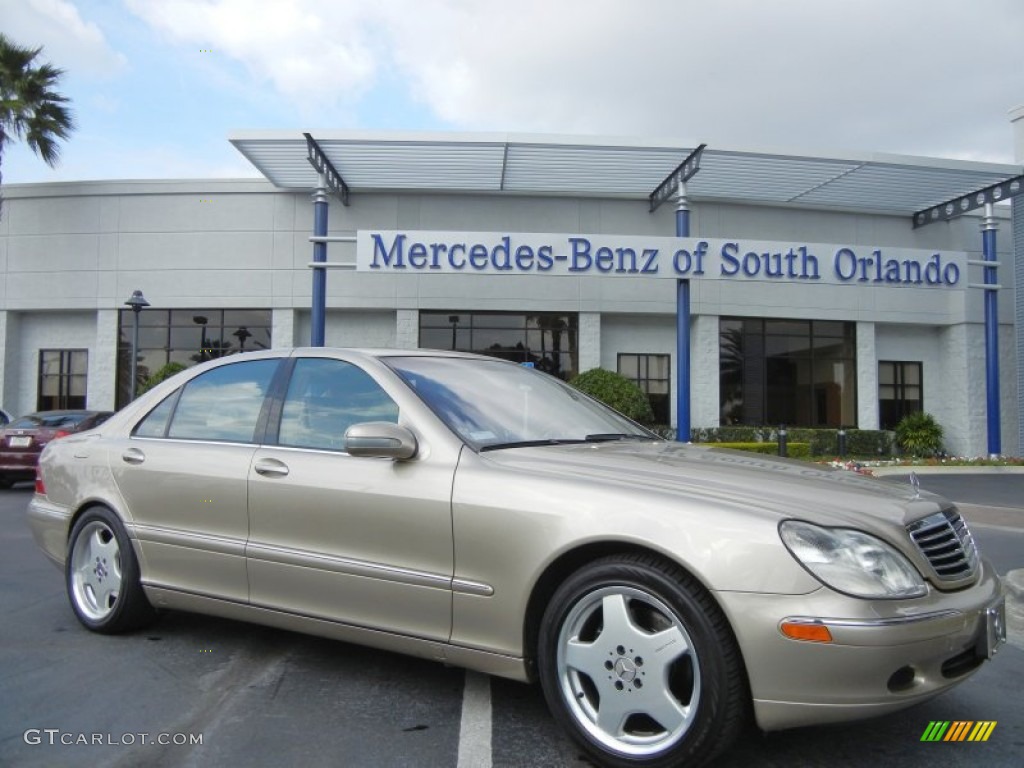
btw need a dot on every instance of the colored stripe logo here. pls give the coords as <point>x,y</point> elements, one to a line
<point>959,730</point>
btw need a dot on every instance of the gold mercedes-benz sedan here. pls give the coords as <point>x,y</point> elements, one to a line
<point>476,512</point>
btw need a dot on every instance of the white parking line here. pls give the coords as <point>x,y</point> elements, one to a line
<point>475,728</point>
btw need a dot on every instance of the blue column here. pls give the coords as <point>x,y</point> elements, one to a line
<point>682,329</point>
<point>318,309</point>
<point>991,334</point>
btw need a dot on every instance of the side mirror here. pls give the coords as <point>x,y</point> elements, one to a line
<point>380,439</point>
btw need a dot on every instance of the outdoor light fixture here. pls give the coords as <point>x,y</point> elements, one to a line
<point>136,302</point>
<point>242,334</point>
<point>201,321</point>
<point>454,320</point>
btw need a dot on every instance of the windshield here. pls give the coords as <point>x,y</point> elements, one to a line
<point>493,404</point>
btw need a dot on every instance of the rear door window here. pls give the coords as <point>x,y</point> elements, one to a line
<point>223,404</point>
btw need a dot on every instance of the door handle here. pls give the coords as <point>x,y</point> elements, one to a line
<point>271,468</point>
<point>133,456</point>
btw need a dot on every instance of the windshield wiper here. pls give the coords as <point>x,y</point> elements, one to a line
<point>597,437</point>
<point>529,444</point>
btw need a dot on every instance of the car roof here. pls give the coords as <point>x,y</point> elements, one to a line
<point>381,352</point>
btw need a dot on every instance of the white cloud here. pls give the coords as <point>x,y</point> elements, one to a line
<point>906,77</point>
<point>70,42</point>
<point>305,50</point>
<point>932,77</point>
<point>916,76</point>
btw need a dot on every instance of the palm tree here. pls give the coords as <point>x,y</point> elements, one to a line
<point>30,107</point>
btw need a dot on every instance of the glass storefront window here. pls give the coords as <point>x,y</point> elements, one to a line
<point>899,391</point>
<point>186,336</point>
<point>801,373</point>
<point>652,374</point>
<point>63,375</point>
<point>546,339</point>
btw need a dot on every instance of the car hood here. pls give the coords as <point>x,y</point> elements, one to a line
<point>713,477</point>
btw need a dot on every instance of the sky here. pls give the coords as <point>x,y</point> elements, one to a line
<point>157,86</point>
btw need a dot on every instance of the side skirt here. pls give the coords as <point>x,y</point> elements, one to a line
<point>489,663</point>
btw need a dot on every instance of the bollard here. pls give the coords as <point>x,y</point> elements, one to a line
<point>841,437</point>
<point>782,441</point>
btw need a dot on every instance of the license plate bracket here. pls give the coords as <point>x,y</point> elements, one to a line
<point>994,632</point>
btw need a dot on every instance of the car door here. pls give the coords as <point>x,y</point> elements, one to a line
<point>364,541</point>
<point>183,474</point>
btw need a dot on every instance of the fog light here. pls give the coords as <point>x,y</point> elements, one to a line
<point>902,679</point>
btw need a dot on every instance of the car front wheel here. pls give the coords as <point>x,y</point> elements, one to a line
<point>103,575</point>
<point>638,664</point>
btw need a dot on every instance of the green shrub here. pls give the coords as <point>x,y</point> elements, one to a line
<point>730,434</point>
<point>821,442</point>
<point>161,374</point>
<point>919,434</point>
<point>617,392</point>
<point>868,442</point>
<point>793,450</point>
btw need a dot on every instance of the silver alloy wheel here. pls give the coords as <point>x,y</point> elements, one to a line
<point>628,671</point>
<point>96,570</point>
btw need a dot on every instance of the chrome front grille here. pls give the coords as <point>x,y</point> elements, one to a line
<point>945,541</point>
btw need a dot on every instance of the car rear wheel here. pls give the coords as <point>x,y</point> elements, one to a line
<point>638,664</point>
<point>103,575</point>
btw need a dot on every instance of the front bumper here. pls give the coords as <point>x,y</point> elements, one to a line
<point>884,655</point>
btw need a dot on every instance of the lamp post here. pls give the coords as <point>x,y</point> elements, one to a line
<point>136,302</point>
<point>241,334</point>
<point>201,321</point>
<point>454,320</point>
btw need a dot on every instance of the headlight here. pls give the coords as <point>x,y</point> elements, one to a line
<point>852,562</point>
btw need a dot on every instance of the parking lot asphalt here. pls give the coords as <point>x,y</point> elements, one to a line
<point>264,697</point>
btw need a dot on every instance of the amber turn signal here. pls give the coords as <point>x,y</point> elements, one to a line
<point>814,633</point>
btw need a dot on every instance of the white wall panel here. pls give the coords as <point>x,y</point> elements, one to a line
<point>85,246</point>
<point>50,330</point>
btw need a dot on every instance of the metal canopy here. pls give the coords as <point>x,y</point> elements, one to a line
<point>613,168</point>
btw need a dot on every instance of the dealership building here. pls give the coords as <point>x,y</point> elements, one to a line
<point>735,287</point>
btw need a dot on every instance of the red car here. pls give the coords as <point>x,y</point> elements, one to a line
<point>23,439</point>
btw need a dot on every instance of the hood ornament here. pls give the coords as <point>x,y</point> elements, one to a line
<point>915,483</point>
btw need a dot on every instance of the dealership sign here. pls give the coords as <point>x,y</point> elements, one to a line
<point>496,253</point>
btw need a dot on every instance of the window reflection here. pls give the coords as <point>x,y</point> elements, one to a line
<point>651,374</point>
<point>326,397</point>
<point>223,404</point>
<point>794,372</point>
<point>899,391</point>
<point>546,339</point>
<point>186,336</point>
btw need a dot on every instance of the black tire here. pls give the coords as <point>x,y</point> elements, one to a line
<point>5,482</point>
<point>102,575</point>
<point>605,676</point>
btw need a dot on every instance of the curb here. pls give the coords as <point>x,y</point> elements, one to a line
<point>941,470</point>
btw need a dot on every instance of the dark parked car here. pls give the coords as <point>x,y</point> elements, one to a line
<point>23,439</point>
